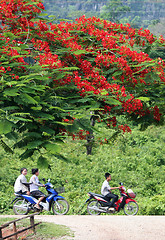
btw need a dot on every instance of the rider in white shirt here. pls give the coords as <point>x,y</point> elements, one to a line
<point>19,186</point>
<point>34,187</point>
<point>106,191</point>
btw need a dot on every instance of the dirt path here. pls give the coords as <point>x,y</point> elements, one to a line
<point>112,227</point>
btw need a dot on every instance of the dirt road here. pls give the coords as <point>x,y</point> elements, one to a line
<point>107,227</point>
<point>111,227</point>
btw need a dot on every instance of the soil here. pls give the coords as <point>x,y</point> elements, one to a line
<point>9,231</point>
<point>110,227</point>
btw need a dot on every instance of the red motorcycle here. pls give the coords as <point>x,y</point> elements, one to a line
<point>98,204</point>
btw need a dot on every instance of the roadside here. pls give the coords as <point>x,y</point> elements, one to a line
<point>109,227</point>
<point>87,227</point>
<point>45,230</point>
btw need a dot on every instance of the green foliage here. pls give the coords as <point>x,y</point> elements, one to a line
<point>114,10</point>
<point>135,159</point>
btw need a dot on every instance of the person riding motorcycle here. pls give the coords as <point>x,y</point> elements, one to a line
<point>34,184</point>
<point>106,191</point>
<point>21,185</point>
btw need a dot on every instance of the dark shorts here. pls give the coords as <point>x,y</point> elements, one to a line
<point>37,193</point>
<point>20,192</point>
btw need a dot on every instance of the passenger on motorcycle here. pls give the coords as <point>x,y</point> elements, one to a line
<point>34,185</point>
<point>19,186</point>
<point>106,191</point>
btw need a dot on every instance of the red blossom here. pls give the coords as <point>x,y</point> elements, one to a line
<point>125,128</point>
<point>114,68</point>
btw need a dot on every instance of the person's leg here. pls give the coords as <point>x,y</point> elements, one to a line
<point>112,196</point>
<point>108,197</point>
<point>114,199</point>
<point>41,197</point>
<point>39,200</point>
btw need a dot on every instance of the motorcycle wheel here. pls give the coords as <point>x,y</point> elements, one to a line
<point>131,208</point>
<point>60,207</point>
<point>20,207</point>
<point>93,204</point>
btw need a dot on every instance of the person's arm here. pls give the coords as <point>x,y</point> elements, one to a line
<point>37,183</point>
<point>112,188</point>
<point>23,181</point>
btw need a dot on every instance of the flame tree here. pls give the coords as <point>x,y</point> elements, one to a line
<point>59,79</point>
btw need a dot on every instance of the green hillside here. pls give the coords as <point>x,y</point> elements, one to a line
<point>137,160</point>
<point>142,12</point>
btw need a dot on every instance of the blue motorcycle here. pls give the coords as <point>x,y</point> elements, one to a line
<point>23,204</point>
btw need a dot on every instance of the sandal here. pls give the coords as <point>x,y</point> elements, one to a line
<point>36,206</point>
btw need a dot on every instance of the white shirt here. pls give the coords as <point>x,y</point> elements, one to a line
<point>105,188</point>
<point>19,186</point>
<point>35,183</point>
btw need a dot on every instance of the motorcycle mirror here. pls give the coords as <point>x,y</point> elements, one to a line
<point>43,179</point>
<point>120,183</point>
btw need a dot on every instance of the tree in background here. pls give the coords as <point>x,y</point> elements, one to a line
<point>114,10</point>
<point>60,79</point>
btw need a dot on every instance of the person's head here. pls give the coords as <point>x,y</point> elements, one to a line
<point>35,171</point>
<point>108,176</point>
<point>23,171</point>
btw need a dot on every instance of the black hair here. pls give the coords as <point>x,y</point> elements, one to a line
<point>34,170</point>
<point>107,175</point>
<point>22,169</point>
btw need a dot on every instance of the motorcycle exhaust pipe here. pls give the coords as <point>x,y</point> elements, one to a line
<point>21,208</point>
<point>94,208</point>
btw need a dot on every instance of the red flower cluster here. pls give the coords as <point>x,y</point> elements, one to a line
<point>156,113</point>
<point>101,51</point>
<point>112,121</point>
<point>125,128</point>
<point>82,134</point>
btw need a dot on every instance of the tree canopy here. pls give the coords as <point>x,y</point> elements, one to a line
<point>59,79</point>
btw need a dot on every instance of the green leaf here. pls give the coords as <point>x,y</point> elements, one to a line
<point>79,52</point>
<point>5,126</point>
<point>33,135</point>
<point>28,99</point>
<point>42,162</point>
<point>117,73</point>
<point>63,123</point>
<point>12,136</point>
<point>57,108</point>
<point>28,153</point>
<point>52,148</point>
<point>144,99</point>
<point>15,118</point>
<point>6,147</point>
<point>9,34</point>
<point>43,116</point>
<point>36,108</point>
<point>112,101</point>
<point>11,92</point>
<point>34,144</point>
<point>47,130</point>
<point>61,157</point>
<point>10,108</point>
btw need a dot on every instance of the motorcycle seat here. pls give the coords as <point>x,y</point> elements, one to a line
<point>17,194</point>
<point>98,195</point>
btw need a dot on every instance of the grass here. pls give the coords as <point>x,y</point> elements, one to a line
<point>43,230</point>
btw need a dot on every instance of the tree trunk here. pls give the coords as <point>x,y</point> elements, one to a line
<point>90,137</point>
